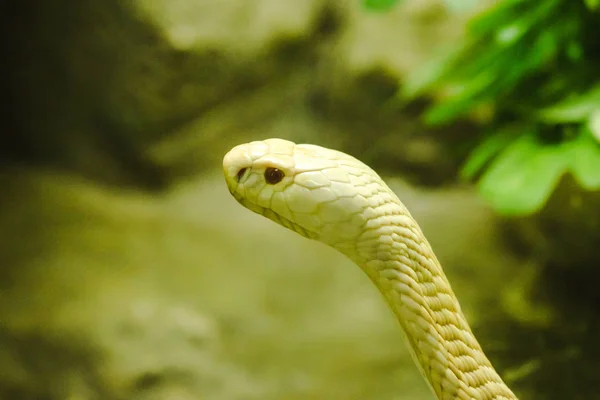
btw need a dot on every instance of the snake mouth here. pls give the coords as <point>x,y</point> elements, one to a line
<point>273,216</point>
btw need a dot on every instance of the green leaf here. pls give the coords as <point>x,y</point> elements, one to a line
<point>594,124</point>
<point>523,176</point>
<point>584,160</point>
<point>592,4</point>
<point>492,18</point>
<point>484,152</point>
<point>465,96</point>
<point>575,109</point>
<point>380,5</point>
<point>508,12</point>
<point>510,34</point>
<point>574,51</point>
<point>429,74</point>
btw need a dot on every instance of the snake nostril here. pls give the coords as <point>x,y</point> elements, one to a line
<point>273,175</point>
<point>240,174</point>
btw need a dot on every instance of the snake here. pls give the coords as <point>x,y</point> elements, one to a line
<point>334,198</point>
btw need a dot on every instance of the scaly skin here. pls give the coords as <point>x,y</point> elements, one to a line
<point>332,197</point>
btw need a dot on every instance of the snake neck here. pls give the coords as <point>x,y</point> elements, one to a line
<point>398,259</point>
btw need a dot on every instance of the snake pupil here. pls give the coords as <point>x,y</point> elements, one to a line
<point>273,175</point>
<point>240,174</point>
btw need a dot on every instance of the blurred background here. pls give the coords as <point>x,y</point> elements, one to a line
<point>127,271</point>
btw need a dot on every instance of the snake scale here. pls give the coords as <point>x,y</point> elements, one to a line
<point>334,198</point>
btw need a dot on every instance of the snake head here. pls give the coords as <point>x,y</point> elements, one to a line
<point>317,192</point>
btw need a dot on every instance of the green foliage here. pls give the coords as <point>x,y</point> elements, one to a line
<point>574,109</point>
<point>535,64</point>
<point>525,169</point>
<point>592,4</point>
<point>456,5</point>
<point>379,5</point>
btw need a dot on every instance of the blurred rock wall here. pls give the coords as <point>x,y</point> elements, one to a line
<point>140,92</point>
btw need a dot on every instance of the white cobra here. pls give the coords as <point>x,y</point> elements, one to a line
<point>332,197</point>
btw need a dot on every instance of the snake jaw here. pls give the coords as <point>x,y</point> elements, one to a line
<point>265,212</point>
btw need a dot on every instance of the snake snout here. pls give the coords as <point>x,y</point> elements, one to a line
<point>235,163</point>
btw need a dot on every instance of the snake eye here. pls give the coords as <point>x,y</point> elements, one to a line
<point>273,175</point>
<point>240,174</point>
